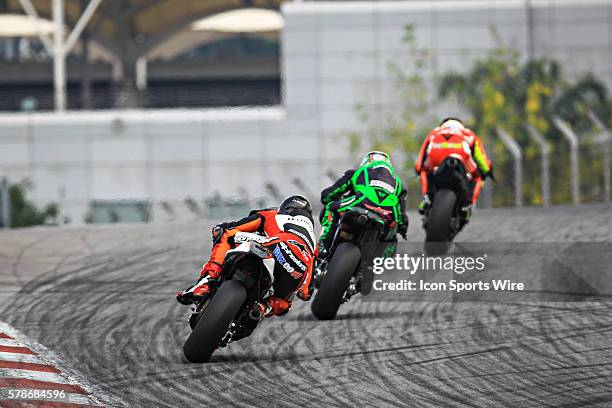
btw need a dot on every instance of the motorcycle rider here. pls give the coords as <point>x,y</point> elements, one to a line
<point>373,185</point>
<point>290,231</point>
<point>453,139</point>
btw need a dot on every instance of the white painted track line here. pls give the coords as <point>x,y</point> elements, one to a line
<point>10,342</point>
<point>33,375</point>
<point>21,358</point>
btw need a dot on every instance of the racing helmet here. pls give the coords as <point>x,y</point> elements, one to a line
<point>296,205</point>
<point>374,156</point>
<point>454,124</point>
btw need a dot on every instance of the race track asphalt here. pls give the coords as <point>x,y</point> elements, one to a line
<point>103,298</point>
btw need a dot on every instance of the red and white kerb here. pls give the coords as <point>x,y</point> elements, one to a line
<point>27,380</point>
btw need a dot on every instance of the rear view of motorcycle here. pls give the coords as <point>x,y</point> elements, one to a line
<point>445,218</point>
<point>341,277</point>
<point>231,311</point>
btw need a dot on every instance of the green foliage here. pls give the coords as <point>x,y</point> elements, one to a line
<point>503,90</point>
<point>400,133</point>
<point>500,90</point>
<point>23,212</point>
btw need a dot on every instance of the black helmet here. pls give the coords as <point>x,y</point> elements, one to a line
<point>296,205</point>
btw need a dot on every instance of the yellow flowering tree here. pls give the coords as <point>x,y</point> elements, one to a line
<point>501,90</point>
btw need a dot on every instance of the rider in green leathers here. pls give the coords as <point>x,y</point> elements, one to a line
<point>373,185</point>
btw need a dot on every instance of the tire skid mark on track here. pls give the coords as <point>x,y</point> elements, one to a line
<point>113,313</point>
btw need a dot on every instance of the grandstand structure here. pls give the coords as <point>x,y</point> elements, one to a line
<point>132,53</point>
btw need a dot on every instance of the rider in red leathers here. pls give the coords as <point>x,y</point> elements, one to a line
<point>452,139</point>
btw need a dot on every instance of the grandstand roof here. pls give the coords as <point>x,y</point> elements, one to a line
<point>132,28</point>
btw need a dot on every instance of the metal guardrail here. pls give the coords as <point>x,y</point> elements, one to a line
<point>517,156</point>
<point>604,139</point>
<point>574,143</point>
<point>537,137</point>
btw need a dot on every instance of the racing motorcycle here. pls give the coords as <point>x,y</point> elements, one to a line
<point>340,276</point>
<point>444,218</point>
<point>231,311</point>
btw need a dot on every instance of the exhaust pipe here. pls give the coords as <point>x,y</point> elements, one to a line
<point>256,314</point>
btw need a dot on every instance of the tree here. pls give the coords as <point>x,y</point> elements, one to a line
<point>400,133</point>
<point>23,212</point>
<point>504,90</point>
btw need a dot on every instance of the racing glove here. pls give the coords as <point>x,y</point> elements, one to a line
<point>489,174</point>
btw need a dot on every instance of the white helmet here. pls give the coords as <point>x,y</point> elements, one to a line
<point>375,155</point>
<point>453,124</point>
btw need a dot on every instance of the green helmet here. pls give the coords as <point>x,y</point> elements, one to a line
<point>375,156</point>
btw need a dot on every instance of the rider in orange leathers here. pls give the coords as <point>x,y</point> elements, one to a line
<point>290,235</point>
<point>452,139</point>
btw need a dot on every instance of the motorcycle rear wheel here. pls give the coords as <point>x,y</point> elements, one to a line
<point>215,321</point>
<point>342,265</point>
<point>438,237</point>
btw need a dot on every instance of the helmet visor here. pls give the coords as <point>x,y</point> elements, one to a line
<point>375,156</point>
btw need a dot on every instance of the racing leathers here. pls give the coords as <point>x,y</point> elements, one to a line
<point>461,143</point>
<point>374,186</point>
<point>292,242</point>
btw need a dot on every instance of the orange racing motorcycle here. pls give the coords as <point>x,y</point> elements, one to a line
<point>231,311</point>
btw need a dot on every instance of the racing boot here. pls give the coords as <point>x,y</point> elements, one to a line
<point>306,290</point>
<point>198,292</point>
<point>466,212</point>
<point>320,267</point>
<point>390,249</point>
<point>322,251</point>
<point>274,306</point>
<point>425,204</point>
